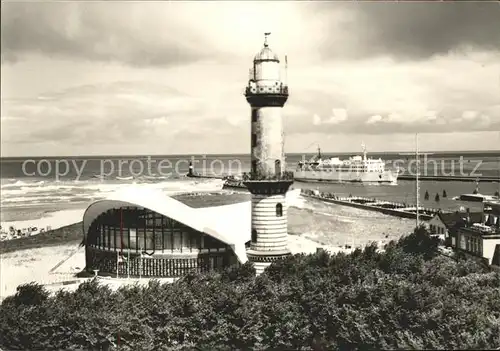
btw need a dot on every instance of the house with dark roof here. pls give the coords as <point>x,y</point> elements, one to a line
<point>446,224</point>
<point>482,240</point>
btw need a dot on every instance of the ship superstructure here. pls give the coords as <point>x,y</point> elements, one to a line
<point>354,169</point>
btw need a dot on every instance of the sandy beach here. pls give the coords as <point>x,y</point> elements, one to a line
<point>35,265</point>
<point>51,221</point>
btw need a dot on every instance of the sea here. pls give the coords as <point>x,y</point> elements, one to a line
<point>38,188</point>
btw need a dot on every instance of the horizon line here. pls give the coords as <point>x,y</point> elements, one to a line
<point>403,153</point>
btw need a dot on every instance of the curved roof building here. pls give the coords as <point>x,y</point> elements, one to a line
<point>143,232</point>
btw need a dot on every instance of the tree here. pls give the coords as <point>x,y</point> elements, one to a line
<point>405,297</point>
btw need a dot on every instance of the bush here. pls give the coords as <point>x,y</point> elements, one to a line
<point>406,297</point>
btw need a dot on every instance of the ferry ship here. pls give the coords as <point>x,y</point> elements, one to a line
<point>356,169</point>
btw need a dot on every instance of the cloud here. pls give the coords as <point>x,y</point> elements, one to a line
<point>121,117</point>
<point>156,121</point>
<point>123,32</point>
<point>374,119</point>
<point>469,115</point>
<point>339,115</point>
<point>316,120</point>
<point>95,114</point>
<point>381,96</point>
<point>409,30</point>
<point>174,33</point>
<point>107,75</point>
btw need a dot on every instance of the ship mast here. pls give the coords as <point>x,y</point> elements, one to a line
<point>476,191</point>
<point>285,80</point>
<point>498,172</point>
<point>417,185</point>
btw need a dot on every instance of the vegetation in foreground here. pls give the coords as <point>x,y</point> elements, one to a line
<point>408,297</point>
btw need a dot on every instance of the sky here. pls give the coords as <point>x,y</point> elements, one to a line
<point>155,78</point>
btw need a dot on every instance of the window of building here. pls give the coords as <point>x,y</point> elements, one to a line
<point>277,167</point>
<point>177,239</point>
<point>158,238</point>
<point>185,237</point>
<point>254,140</point>
<point>254,166</point>
<point>149,243</point>
<point>279,210</point>
<point>254,115</point>
<point>254,236</point>
<point>168,240</point>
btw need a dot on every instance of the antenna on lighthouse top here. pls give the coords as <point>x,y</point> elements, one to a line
<point>265,39</point>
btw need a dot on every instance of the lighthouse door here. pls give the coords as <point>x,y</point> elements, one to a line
<point>277,167</point>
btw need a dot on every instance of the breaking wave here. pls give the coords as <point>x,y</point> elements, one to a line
<point>16,193</point>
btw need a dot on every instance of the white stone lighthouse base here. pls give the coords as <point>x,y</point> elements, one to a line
<point>263,259</point>
<point>260,267</point>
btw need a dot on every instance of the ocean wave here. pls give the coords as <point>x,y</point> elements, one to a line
<point>21,192</point>
<point>20,183</point>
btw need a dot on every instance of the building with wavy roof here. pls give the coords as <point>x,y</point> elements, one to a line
<point>143,232</point>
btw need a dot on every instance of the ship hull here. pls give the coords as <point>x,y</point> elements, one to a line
<point>386,177</point>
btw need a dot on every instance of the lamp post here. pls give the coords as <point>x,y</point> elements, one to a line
<point>128,264</point>
<point>417,190</point>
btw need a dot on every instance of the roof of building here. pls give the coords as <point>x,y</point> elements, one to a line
<point>266,54</point>
<point>230,224</point>
<point>495,259</point>
<point>457,219</point>
<point>493,203</point>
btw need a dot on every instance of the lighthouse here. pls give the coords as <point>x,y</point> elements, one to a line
<point>268,182</point>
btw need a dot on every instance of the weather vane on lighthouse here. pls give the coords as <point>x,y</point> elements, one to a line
<point>265,38</point>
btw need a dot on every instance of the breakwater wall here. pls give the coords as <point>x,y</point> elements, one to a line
<point>234,186</point>
<point>385,207</point>
<point>443,178</point>
<point>202,176</point>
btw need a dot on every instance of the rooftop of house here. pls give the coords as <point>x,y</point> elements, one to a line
<point>483,230</point>
<point>458,219</point>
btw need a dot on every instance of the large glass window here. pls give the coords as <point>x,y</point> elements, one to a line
<point>134,243</point>
<point>168,240</point>
<point>185,237</point>
<point>149,240</point>
<point>177,239</point>
<point>195,240</point>
<point>157,238</point>
<point>143,230</point>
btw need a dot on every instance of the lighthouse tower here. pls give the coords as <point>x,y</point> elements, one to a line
<point>268,182</point>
